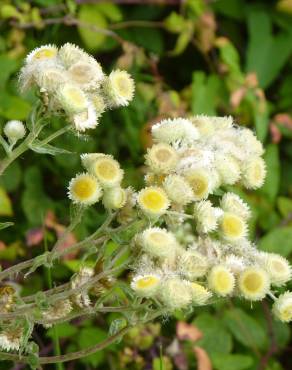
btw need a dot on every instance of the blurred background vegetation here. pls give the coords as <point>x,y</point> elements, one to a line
<point>223,57</point>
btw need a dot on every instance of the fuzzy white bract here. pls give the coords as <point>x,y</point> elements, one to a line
<point>14,130</point>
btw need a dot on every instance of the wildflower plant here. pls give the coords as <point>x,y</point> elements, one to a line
<point>184,235</point>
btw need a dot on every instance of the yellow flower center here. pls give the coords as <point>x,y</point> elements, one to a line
<point>75,95</point>
<point>278,266</point>
<point>106,169</point>
<point>286,314</point>
<point>199,185</point>
<point>84,188</point>
<point>147,282</point>
<point>163,155</point>
<point>123,85</point>
<point>157,237</point>
<point>253,282</point>
<point>45,54</point>
<point>232,225</point>
<point>223,281</point>
<point>153,200</point>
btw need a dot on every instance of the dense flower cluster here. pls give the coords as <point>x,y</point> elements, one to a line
<point>74,82</point>
<point>200,250</point>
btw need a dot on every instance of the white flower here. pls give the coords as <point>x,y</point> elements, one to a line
<point>277,267</point>
<point>72,98</point>
<point>254,283</point>
<point>178,190</point>
<point>221,280</point>
<point>231,202</point>
<point>161,158</point>
<point>282,307</point>
<point>153,201</point>
<point>118,88</point>
<point>146,285</point>
<point>177,129</point>
<point>193,264</point>
<point>44,53</point>
<point>10,339</point>
<point>84,189</point>
<point>71,54</point>
<point>206,216</point>
<point>158,242</point>
<point>200,295</point>
<point>107,170</point>
<point>254,173</point>
<point>114,198</point>
<point>86,74</point>
<point>14,130</point>
<point>176,293</point>
<point>86,119</point>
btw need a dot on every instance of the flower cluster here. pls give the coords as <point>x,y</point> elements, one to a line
<point>200,249</point>
<point>101,181</point>
<point>72,81</point>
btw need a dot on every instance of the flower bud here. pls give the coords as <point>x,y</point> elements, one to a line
<point>14,130</point>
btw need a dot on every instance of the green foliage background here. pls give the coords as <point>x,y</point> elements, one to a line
<point>205,57</point>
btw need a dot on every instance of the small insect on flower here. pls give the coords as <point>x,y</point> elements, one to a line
<point>176,293</point>
<point>254,283</point>
<point>206,216</point>
<point>107,170</point>
<point>282,307</point>
<point>43,53</point>
<point>178,190</point>
<point>161,158</point>
<point>146,285</point>
<point>14,130</point>
<point>118,88</point>
<point>221,281</point>
<point>254,173</point>
<point>232,203</point>
<point>114,198</point>
<point>72,98</point>
<point>171,130</point>
<point>277,267</point>
<point>232,227</point>
<point>200,295</point>
<point>10,338</point>
<point>84,189</point>
<point>200,182</point>
<point>228,168</point>
<point>158,242</point>
<point>153,201</point>
<point>193,264</point>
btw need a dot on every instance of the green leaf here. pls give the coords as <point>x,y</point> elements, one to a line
<point>183,39</point>
<point>88,337</point>
<point>271,186</point>
<point>285,206</point>
<point>245,329</point>
<point>231,362</point>
<point>4,225</point>
<point>7,67</point>
<point>174,23</point>
<point>117,325</point>
<point>5,204</point>
<point>90,17</point>
<point>110,11</point>
<point>65,330</point>
<point>215,337</point>
<point>11,178</point>
<point>14,107</point>
<point>205,92</point>
<point>274,51</point>
<point>278,240</point>
<point>37,147</point>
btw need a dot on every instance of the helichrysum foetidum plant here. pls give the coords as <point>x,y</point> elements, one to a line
<point>187,235</point>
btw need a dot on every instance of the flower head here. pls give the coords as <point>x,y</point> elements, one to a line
<point>200,295</point>
<point>232,227</point>
<point>277,267</point>
<point>200,182</point>
<point>114,198</point>
<point>254,283</point>
<point>107,170</point>
<point>118,88</point>
<point>86,119</point>
<point>86,74</point>
<point>176,293</point>
<point>221,280</point>
<point>42,54</point>
<point>14,130</point>
<point>254,173</point>
<point>178,189</point>
<point>193,264</point>
<point>282,307</point>
<point>172,130</point>
<point>206,216</point>
<point>10,339</point>
<point>72,98</point>
<point>232,203</point>
<point>158,242</point>
<point>146,285</point>
<point>84,189</point>
<point>161,158</point>
<point>153,201</point>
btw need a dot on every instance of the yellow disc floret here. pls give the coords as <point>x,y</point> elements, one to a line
<point>107,170</point>
<point>200,183</point>
<point>232,227</point>
<point>161,158</point>
<point>254,283</point>
<point>153,201</point>
<point>84,189</point>
<point>146,285</point>
<point>221,281</point>
<point>282,307</point>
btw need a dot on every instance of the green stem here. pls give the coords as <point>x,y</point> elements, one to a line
<point>56,342</point>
